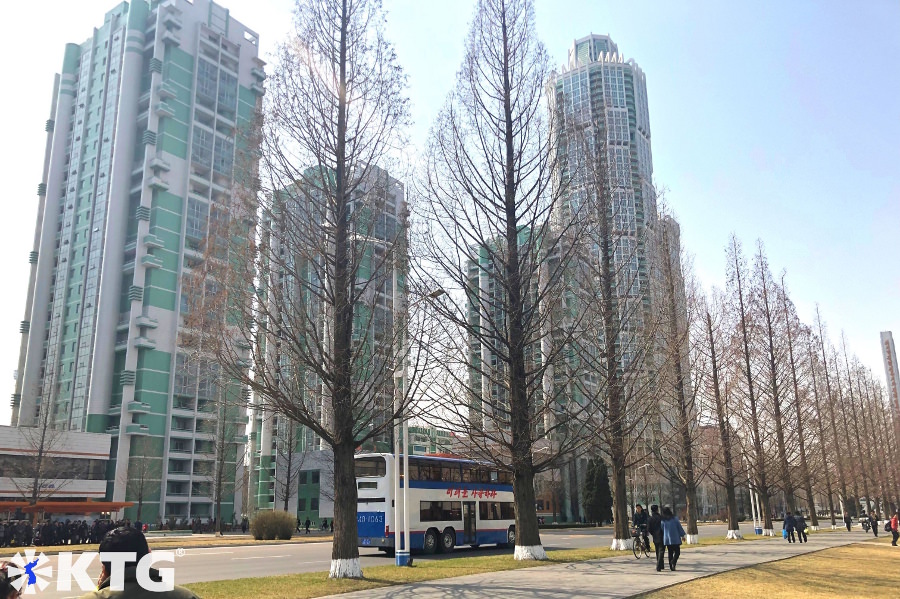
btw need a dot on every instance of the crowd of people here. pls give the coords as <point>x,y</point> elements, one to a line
<point>22,533</point>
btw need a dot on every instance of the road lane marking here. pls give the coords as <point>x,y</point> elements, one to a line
<point>260,557</point>
<point>206,553</point>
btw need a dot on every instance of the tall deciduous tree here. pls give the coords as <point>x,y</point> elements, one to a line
<point>327,265</point>
<point>499,243</point>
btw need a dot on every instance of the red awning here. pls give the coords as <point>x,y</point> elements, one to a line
<point>8,506</point>
<point>77,507</point>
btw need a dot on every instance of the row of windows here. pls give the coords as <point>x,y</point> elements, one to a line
<point>443,511</point>
<point>436,471</point>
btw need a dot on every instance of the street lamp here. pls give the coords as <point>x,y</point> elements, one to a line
<point>401,556</point>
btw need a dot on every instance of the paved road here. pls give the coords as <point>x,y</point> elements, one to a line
<point>225,563</point>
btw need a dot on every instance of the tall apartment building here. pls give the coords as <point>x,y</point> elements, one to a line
<point>599,103</point>
<point>378,237</point>
<point>140,156</point>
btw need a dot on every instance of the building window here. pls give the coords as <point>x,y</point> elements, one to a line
<point>303,477</point>
<point>314,504</point>
<point>314,478</point>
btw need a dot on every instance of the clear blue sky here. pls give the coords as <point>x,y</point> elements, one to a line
<point>773,120</point>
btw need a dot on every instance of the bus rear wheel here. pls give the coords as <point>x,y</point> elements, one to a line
<point>448,540</point>
<point>430,544</point>
<point>510,539</point>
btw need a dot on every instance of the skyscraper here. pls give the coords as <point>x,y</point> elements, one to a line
<point>601,124</point>
<point>140,157</point>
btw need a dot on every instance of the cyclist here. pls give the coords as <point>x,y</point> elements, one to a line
<point>639,520</point>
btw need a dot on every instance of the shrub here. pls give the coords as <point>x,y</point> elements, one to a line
<point>267,526</point>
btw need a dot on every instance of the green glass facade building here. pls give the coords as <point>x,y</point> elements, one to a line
<point>140,157</point>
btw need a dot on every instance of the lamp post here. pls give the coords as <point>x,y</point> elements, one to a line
<point>401,556</point>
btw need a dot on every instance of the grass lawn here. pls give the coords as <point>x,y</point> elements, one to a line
<point>860,570</point>
<point>317,584</point>
<point>173,542</point>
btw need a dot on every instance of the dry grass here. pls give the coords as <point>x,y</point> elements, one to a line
<point>172,542</point>
<point>859,570</point>
<point>317,584</point>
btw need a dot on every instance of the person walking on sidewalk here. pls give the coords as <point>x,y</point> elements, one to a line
<point>847,520</point>
<point>654,527</point>
<point>800,527</point>
<point>895,521</point>
<point>789,524</point>
<point>307,523</point>
<point>673,533</point>
<point>873,521</point>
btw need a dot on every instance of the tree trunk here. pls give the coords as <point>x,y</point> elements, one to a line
<point>621,532</point>
<point>528,536</point>
<point>344,550</point>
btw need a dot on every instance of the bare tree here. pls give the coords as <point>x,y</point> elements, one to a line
<point>36,468</point>
<point>766,302</point>
<point>498,240</point>
<point>792,328</point>
<point>830,400</point>
<point>327,263</point>
<point>677,392</point>
<point>820,419</point>
<point>144,472</point>
<point>758,459</point>
<point>724,425</point>
<point>288,461</point>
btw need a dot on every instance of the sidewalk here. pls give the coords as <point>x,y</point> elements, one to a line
<point>616,577</point>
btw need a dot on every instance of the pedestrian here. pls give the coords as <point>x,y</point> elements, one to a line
<point>639,520</point>
<point>244,525</point>
<point>654,527</point>
<point>895,529</point>
<point>800,527</point>
<point>873,520</point>
<point>673,534</point>
<point>847,520</point>
<point>128,540</point>
<point>789,524</point>
<point>308,523</point>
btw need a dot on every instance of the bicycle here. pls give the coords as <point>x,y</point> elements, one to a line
<point>639,544</point>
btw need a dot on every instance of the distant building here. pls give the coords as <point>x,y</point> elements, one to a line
<point>891,372</point>
<point>74,468</point>
<point>429,439</point>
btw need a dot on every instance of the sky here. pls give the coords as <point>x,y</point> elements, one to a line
<point>772,120</point>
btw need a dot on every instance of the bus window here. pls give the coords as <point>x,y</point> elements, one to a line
<point>371,466</point>
<point>440,511</point>
<point>505,478</point>
<point>507,510</point>
<point>455,473</point>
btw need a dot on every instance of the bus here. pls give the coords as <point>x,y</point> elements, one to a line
<point>454,502</point>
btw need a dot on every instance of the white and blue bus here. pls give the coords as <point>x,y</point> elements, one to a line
<point>453,502</point>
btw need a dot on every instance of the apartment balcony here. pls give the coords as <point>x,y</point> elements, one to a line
<point>179,474</point>
<point>157,163</point>
<point>112,430</point>
<point>171,37</point>
<point>138,407</point>
<point>172,19</point>
<point>166,90</point>
<point>164,109</point>
<point>258,73</point>
<point>157,183</point>
<point>257,89</point>
<point>144,343</point>
<point>137,429</point>
<point>146,322</point>
<point>150,261</point>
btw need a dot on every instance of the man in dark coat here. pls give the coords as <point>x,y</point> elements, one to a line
<point>789,524</point>
<point>800,526</point>
<point>654,527</point>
